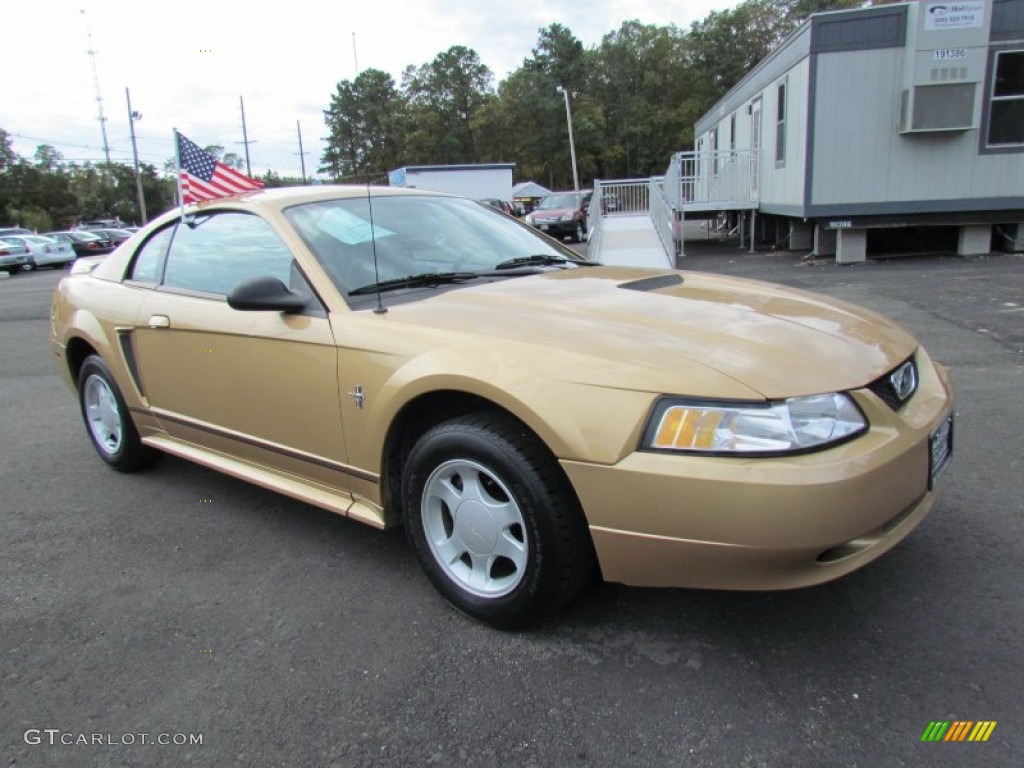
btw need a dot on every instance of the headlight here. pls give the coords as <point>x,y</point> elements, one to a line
<point>787,426</point>
<point>567,217</point>
<point>529,219</point>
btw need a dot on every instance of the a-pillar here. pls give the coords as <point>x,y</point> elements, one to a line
<point>824,241</point>
<point>1011,237</point>
<point>974,239</point>
<point>852,246</point>
<point>801,235</point>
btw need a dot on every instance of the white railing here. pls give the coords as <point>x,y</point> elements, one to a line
<point>624,196</point>
<point>667,222</point>
<point>723,177</point>
<point>594,219</point>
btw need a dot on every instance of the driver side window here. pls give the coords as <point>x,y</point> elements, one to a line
<point>216,252</point>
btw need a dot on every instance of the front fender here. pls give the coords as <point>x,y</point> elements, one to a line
<point>540,387</point>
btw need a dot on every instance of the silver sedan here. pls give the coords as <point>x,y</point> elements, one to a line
<point>44,251</point>
<point>13,256</point>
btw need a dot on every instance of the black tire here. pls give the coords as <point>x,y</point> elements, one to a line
<point>506,465</point>
<point>107,419</point>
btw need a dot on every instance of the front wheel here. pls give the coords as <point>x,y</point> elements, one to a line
<point>493,520</point>
<point>108,421</point>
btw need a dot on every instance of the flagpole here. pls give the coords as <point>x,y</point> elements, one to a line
<point>177,172</point>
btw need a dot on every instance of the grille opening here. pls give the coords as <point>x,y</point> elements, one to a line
<point>883,387</point>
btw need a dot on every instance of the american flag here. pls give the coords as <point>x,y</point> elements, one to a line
<point>203,177</point>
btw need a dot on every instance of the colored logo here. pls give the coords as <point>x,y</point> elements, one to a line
<point>958,730</point>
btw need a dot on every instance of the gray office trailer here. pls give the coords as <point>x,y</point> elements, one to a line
<point>886,116</point>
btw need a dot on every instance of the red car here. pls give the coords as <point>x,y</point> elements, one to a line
<point>562,214</point>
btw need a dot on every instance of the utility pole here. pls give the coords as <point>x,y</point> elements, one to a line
<point>99,94</point>
<point>132,117</point>
<point>245,139</point>
<point>302,155</point>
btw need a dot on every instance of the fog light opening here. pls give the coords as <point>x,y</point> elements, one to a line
<point>849,549</point>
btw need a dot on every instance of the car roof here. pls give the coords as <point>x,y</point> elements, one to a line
<point>72,232</point>
<point>284,197</point>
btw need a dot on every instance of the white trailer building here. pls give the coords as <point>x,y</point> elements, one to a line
<point>908,114</point>
<point>477,181</point>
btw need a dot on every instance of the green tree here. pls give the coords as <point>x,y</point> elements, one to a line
<point>527,123</point>
<point>7,154</point>
<point>367,124</point>
<point>443,96</point>
<point>48,158</point>
<point>273,179</point>
<point>642,79</point>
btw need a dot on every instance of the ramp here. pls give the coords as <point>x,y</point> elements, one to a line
<point>630,241</point>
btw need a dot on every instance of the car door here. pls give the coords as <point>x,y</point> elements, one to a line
<point>257,385</point>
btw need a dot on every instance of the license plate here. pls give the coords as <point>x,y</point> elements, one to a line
<point>544,226</point>
<point>940,450</point>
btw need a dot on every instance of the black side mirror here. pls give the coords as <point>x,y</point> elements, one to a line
<point>265,294</point>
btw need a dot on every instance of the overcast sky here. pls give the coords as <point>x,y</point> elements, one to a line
<point>187,63</point>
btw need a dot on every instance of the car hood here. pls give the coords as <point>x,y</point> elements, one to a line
<point>702,336</point>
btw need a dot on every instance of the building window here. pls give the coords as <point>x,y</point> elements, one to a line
<point>1006,109</point>
<point>780,126</point>
<point>714,152</point>
<point>732,133</point>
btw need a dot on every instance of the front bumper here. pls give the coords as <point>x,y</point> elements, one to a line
<point>556,228</point>
<point>766,523</point>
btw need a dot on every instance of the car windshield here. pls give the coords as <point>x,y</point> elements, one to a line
<point>84,236</point>
<point>559,201</point>
<point>416,235</point>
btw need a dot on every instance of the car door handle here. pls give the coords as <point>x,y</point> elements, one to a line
<point>159,321</point>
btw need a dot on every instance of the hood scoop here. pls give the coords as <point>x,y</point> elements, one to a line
<point>652,283</point>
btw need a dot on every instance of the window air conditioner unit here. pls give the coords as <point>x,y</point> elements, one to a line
<point>944,65</point>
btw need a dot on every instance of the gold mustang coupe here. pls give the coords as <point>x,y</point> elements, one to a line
<point>533,419</point>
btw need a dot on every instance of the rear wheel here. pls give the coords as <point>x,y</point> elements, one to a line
<point>493,520</point>
<point>108,421</point>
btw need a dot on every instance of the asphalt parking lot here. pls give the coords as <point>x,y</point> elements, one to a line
<point>182,603</point>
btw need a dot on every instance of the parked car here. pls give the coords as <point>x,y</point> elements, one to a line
<point>44,251</point>
<point>562,214</point>
<point>530,417</point>
<point>13,257</point>
<point>101,223</point>
<point>501,205</point>
<point>83,243</point>
<point>5,231</point>
<point>114,235</point>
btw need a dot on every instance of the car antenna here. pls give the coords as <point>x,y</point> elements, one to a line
<point>380,309</point>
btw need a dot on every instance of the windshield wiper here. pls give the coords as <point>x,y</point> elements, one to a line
<point>414,281</point>
<point>541,260</point>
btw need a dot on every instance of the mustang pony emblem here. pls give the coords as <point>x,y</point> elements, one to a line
<point>904,380</point>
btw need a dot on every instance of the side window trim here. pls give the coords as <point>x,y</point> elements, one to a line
<point>315,308</point>
<point>161,260</point>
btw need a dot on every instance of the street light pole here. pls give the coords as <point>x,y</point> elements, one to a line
<point>572,143</point>
<point>132,117</point>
